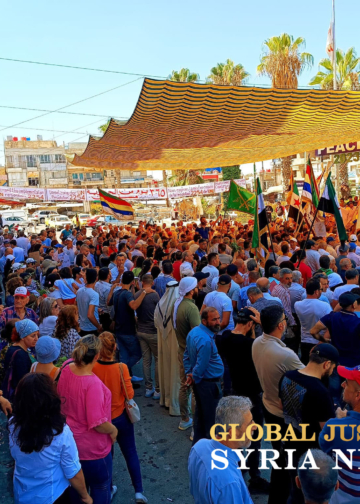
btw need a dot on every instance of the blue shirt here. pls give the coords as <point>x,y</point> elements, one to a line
<point>215,485</point>
<point>19,255</point>
<point>201,253</point>
<point>86,297</point>
<point>344,329</point>
<point>349,481</point>
<point>243,295</point>
<point>201,357</point>
<point>70,252</point>
<point>43,476</point>
<point>161,282</point>
<point>2,264</point>
<point>47,242</point>
<point>203,232</point>
<point>92,259</point>
<point>269,297</point>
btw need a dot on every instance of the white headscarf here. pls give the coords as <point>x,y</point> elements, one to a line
<point>186,285</point>
<point>163,310</point>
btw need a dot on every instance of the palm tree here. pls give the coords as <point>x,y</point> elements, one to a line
<point>184,75</point>
<point>228,74</point>
<point>347,78</point>
<point>282,61</point>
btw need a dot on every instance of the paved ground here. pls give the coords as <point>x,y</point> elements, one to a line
<point>163,452</point>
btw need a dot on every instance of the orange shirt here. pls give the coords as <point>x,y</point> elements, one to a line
<point>109,374</point>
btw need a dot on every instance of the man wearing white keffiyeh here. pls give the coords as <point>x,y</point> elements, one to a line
<point>169,376</point>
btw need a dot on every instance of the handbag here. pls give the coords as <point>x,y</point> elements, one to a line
<point>132,409</point>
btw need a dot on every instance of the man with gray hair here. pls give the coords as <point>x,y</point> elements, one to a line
<point>297,291</point>
<point>207,482</point>
<point>259,302</point>
<point>318,485</point>
<point>264,285</point>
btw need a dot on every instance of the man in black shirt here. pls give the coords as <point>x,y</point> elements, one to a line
<point>306,400</point>
<point>236,346</point>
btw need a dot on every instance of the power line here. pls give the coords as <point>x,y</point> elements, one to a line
<point>62,112</point>
<point>70,105</point>
<point>82,68</point>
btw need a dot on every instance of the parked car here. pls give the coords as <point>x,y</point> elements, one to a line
<point>59,222</point>
<point>14,222</point>
<point>50,217</point>
<point>82,217</point>
<point>41,215</point>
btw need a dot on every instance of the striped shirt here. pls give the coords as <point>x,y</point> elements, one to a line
<point>283,294</point>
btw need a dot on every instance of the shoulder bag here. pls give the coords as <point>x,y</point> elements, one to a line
<point>132,409</point>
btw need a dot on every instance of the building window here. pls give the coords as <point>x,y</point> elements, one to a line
<point>45,158</point>
<point>75,176</point>
<point>96,176</point>
<point>33,181</point>
<point>31,161</point>
<point>59,158</point>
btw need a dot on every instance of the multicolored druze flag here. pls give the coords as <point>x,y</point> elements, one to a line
<point>330,204</point>
<point>241,200</point>
<point>117,207</point>
<point>260,240</point>
<point>293,199</point>
<point>310,190</point>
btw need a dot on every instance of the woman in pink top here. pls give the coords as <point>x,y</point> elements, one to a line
<point>87,407</point>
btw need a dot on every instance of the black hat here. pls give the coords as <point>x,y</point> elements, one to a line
<point>347,299</point>
<point>326,350</point>
<point>344,248</point>
<point>200,275</point>
<point>224,280</point>
<point>232,269</point>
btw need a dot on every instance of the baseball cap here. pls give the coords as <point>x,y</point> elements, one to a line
<point>17,266</point>
<point>344,248</point>
<point>21,291</point>
<point>10,256</point>
<point>349,373</point>
<point>347,299</point>
<point>141,242</point>
<point>68,239</point>
<point>326,350</point>
<point>353,238</point>
<point>293,239</point>
<point>330,239</point>
<point>310,243</point>
<point>200,275</point>
<point>244,316</point>
<point>30,260</point>
<point>352,246</point>
<point>47,349</point>
<point>224,280</point>
<point>232,269</point>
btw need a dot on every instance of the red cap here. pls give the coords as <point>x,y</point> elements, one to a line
<point>350,373</point>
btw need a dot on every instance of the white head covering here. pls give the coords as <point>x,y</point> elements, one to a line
<point>186,285</point>
<point>163,310</point>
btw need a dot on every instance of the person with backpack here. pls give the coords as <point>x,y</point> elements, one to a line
<point>18,361</point>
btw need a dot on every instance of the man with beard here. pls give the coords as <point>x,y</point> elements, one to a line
<point>204,370</point>
<point>208,483</point>
<point>306,400</point>
<point>236,346</point>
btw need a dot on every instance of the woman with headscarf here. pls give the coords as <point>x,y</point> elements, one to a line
<point>169,374</point>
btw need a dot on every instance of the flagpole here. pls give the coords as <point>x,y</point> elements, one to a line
<point>334,52</point>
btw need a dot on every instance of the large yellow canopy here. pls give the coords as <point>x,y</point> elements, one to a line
<point>181,126</point>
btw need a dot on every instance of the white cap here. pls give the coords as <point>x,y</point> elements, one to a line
<point>17,266</point>
<point>11,257</point>
<point>30,260</point>
<point>353,238</point>
<point>21,291</point>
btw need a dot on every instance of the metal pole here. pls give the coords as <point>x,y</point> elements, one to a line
<point>334,53</point>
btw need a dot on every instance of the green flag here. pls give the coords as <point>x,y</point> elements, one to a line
<point>260,239</point>
<point>241,200</point>
<point>329,203</point>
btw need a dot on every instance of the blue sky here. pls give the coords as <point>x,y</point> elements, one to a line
<point>148,38</point>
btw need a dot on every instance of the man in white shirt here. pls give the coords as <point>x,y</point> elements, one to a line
<point>69,250</point>
<point>188,262</point>
<point>352,281</point>
<point>222,303</point>
<point>213,263</point>
<point>23,242</point>
<point>310,311</point>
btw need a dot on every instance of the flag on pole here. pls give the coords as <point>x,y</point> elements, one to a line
<point>260,240</point>
<point>241,200</point>
<point>117,207</point>
<point>329,203</point>
<point>294,201</point>
<point>310,190</point>
<point>330,41</point>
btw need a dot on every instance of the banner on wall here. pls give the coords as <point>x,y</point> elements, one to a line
<point>156,193</point>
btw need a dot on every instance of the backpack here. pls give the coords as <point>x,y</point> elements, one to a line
<point>7,388</point>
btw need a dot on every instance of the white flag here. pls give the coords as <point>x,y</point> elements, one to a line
<point>330,42</point>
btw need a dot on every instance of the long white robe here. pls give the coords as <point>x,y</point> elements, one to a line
<point>169,374</point>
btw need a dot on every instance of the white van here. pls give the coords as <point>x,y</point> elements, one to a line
<point>14,213</point>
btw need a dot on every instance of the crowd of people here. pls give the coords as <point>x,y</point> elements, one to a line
<point>225,337</point>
